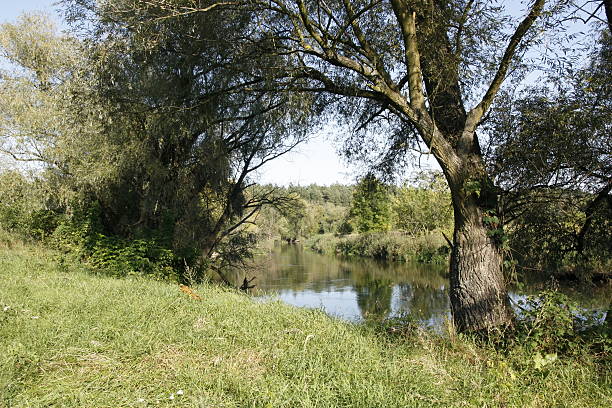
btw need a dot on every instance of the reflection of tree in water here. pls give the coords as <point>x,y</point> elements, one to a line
<point>422,302</point>
<point>373,296</point>
<point>289,265</point>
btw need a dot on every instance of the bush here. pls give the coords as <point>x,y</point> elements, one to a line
<point>545,236</point>
<point>552,323</point>
<point>120,257</point>
<point>23,208</point>
<point>82,236</point>
<point>396,246</point>
<point>76,228</point>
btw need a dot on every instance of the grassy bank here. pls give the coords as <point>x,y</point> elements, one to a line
<point>70,338</point>
<point>393,246</point>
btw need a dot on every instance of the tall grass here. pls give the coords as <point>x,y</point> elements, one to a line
<point>69,338</point>
<point>428,247</point>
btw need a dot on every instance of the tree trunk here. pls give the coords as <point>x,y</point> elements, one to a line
<point>478,295</point>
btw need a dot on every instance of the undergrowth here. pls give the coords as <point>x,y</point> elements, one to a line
<point>394,246</point>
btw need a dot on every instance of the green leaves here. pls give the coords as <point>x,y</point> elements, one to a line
<point>541,362</point>
<point>371,208</point>
<point>423,208</point>
<point>472,187</point>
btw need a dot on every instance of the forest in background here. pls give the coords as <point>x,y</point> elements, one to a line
<point>414,221</point>
<point>371,219</point>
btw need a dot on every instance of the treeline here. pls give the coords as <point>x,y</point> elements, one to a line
<point>372,218</point>
<point>414,221</point>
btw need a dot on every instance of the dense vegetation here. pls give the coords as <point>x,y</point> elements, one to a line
<point>370,219</point>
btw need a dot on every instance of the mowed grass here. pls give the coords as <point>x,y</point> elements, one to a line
<point>69,338</point>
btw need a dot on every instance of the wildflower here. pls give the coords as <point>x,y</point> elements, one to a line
<point>171,396</point>
<point>180,392</point>
<point>141,400</point>
<point>35,317</point>
<point>6,308</point>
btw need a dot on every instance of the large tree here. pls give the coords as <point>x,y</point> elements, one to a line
<point>420,65</point>
<point>180,82</point>
<point>143,118</point>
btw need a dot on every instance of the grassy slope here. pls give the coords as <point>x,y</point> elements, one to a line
<point>73,339</point>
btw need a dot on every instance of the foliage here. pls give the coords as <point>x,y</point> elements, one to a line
<point>393,246</point>
<point>121,118</point>
<point>414,216</point>
<point>550,323</point>
<point>544,237</point>
<point>424,207</point>
<point>25,207</point>
<point>312,210</point>
<point>550,152</point>
<point>371,209</point>
<point>81,237</point>
<point>118,257</point>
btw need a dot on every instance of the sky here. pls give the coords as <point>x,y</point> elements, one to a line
<point>313,162</point>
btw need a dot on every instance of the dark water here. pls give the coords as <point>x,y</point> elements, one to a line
<point>359,289</point>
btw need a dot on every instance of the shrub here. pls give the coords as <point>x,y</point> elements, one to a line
<point>82,236</point>
<point>551,322</point>
<point>426,248</point>
<point>120,257</point>
<point>23,208</point>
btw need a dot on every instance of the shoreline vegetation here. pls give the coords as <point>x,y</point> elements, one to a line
<point>389,246</point>
<point>75,338</point>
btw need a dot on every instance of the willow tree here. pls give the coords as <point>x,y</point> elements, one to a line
<point>177,83</point>
<point>141,115</point>
<point>431,71</point>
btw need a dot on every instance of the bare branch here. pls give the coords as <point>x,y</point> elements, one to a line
<point>478,112</point>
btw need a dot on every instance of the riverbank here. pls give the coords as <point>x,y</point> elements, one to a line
<point>429,247</point>
<point>70,338</point>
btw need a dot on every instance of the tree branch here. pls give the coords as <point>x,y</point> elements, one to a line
<point>407,21</point>
<point>479,110</point>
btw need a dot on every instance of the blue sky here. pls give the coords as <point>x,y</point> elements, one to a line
<point>313,162</point>
<point>9,9</point>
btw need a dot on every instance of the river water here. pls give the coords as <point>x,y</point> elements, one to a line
<point>361,289</point>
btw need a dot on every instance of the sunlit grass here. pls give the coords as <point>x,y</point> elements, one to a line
<point>72,339</point>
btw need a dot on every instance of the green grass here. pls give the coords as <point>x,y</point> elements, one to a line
<point>69,338</point>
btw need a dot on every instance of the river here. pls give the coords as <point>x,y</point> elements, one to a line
<point>362,289</point>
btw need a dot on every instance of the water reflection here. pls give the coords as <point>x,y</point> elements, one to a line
<point>373,296</point>
<point>360,289</point>
<point>353,289</point>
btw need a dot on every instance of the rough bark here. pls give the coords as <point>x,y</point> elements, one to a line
<point>478,295</point>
